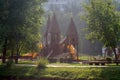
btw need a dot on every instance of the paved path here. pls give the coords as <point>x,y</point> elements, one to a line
<point>51,65</point>
<point>25,65</point>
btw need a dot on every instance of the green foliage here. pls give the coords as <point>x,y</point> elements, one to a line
<point>26,62</point>
<point>41,63</point>
<point>9,63</point>
<point>109,60</point>
<point>103,20</point>
<point>20,24</point>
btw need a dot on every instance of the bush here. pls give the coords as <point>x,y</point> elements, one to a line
<point>41,63</point>
<point>9,63</point>
<point>108,59</point>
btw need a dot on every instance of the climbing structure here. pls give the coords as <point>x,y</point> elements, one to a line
<point>70,42</point>
<point>72,34</point>
<point>54,46</point>
<point>51,38</point>
<point>54,37</point>
<point>72,37</point>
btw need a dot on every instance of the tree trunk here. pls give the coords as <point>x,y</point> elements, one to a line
<point>116,58</point>
<point>18,51</point>
<point>4,51</point>
<point>17,54</point>
<point>77,54</point>
<point>16,58</point>
<point>11,57</point>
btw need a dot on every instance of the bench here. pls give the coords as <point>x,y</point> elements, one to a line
<point>117,62</point>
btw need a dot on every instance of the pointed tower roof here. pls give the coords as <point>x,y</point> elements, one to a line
<point>72,31</point>
<point>48,26</point>
<point>54,25</point>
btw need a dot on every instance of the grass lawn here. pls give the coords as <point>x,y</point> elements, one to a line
<point>26,62</point>
<point>110,73</point>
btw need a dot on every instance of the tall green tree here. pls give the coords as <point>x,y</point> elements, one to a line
<point>20,24</point>
<point>104,22</point>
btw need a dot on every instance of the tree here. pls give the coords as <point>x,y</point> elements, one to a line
<point>20,24</point>
<point>104,22</point>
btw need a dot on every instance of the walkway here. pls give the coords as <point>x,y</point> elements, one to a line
<point>67,66</point>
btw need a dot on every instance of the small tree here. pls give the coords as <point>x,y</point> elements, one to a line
<point>104,22</point>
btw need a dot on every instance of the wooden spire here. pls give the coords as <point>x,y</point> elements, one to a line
<point>54,26</point>
<point>55,36</point>
<point>72,34</point>
<point>72,31</point>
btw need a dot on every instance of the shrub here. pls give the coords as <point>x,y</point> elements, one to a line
<point>9,63</point>
<point>41,63</point>
<point>109,60</point>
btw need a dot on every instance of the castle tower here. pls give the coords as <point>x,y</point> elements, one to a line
<point>52,34</point>
<point>51,38</point>
<point>54,31</point>
<point>72,34</point>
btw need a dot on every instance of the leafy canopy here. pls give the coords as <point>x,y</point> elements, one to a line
<point>20,23</point>
<point>104,22</point>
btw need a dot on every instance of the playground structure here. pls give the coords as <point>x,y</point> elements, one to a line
<point>54,46</point>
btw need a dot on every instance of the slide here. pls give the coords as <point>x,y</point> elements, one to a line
<point>72,51</point>
<point>70,47</point>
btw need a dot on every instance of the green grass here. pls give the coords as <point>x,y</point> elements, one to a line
<point>26,62</point>
<point>68,64</point>
<point>79,64</point>
<point>41,63</point>
<point>110,73</point>
<point>84,57</point>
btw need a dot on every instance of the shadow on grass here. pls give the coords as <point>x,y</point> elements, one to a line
<point>32,73</point>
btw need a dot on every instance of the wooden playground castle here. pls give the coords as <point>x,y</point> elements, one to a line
<point>56,47</point>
